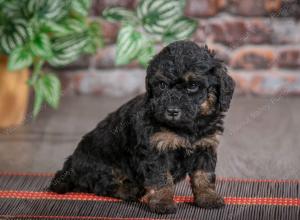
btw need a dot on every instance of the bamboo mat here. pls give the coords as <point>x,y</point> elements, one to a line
<point>24,196</point>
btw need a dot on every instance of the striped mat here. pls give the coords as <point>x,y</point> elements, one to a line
<point>24,196</point>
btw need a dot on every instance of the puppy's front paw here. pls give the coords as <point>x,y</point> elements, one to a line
<point>209,201</point>
<point>163,207</point>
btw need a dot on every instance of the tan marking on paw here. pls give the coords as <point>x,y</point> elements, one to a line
<point>200,183</point>
<point>160,193</point>
<point>204,191</point>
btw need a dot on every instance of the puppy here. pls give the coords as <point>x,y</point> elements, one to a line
<point>140,151</point>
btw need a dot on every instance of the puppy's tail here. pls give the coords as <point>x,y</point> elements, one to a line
<point>62,181</point>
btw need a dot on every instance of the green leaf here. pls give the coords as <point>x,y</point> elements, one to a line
<point>38,99</point>
<point>19,58</point>
<point>51,89</point>
<point>13,8</point>
<point>129,44</point>
<point>47,88</point>
<point>95,38</point>
<point>68,48</point>
<point>46,9</point>
<point>146,54</point>
<point>118,14</point>
<point>75,25</point>
<point>41,46</point>
<point>181,29</point>
<point>65,27</point>
<point>14,33</point>
<point>81,6</point>
<point>56,29</point>
<point>182,3</point>
<point>157,15</point>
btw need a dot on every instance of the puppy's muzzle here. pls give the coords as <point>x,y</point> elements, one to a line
<point>173,113</point>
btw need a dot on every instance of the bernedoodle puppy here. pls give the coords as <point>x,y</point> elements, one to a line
<point>140,151</point>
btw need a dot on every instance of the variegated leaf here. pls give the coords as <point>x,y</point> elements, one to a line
<point>19,59</point>
<point>118,14</point>
<point>182,28</point>
<point>81,6</point>
<point>146,53</point>
<point>67,49</point>
<point>47,9</point>
<point>157,15</point>
<point>51,89</point>
<point>129,44</point>
<point>41,46</point>
<point>14,34</point>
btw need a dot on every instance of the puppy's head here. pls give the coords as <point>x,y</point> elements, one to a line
<point>185,81</point>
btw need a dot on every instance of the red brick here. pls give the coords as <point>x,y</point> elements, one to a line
<point>109,31</point>
<point>254,7</point>
<point>285,31</point>
<point>221,51</point>
<point>200,34</point>
<point>111,82</point>
<point>289,8</point>
<point>222,4</point>
<point>203,8</point>
<point>289,58</point>
<point>259,31</point>
<point>105,58</point>
<point>99,5</point>
<point>272,5</point>
<point>234,31</point>
<point>276,82</point>
<point>247,8</point>
<point>227,32</point>
<point>81,63</point>
<point>253,58</point>
<point>104,82</point>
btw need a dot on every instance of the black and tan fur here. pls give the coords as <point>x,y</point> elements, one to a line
<point>140,151</point>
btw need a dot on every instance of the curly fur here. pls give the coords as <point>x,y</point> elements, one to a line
<point>142,148</point>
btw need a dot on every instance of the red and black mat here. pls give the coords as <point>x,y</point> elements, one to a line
<point>24,196</point>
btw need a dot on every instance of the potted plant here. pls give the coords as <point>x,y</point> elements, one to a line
<point>153,21</point>
<point>33,33</point>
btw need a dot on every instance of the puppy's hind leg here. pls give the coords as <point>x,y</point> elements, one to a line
<point>62,181</point>
<point>118,185</point>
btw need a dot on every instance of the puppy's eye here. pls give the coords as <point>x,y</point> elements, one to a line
<point>162,85</point>
<point>192,88</point>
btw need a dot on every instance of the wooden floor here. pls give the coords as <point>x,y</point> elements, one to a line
<point>261,140</point>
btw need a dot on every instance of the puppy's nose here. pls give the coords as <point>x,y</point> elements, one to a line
<point>173,112</point>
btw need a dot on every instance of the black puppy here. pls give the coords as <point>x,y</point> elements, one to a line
<point>141,150</point>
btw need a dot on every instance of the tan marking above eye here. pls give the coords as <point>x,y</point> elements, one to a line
<point>189,76</point>
<point>208,106</point>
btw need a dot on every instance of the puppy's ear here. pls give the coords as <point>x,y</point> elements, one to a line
<point>226,86</point>
<point>148,87</point>
<point>151,69</point>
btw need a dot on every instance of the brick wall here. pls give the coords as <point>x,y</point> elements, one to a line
<point>258,39</point>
